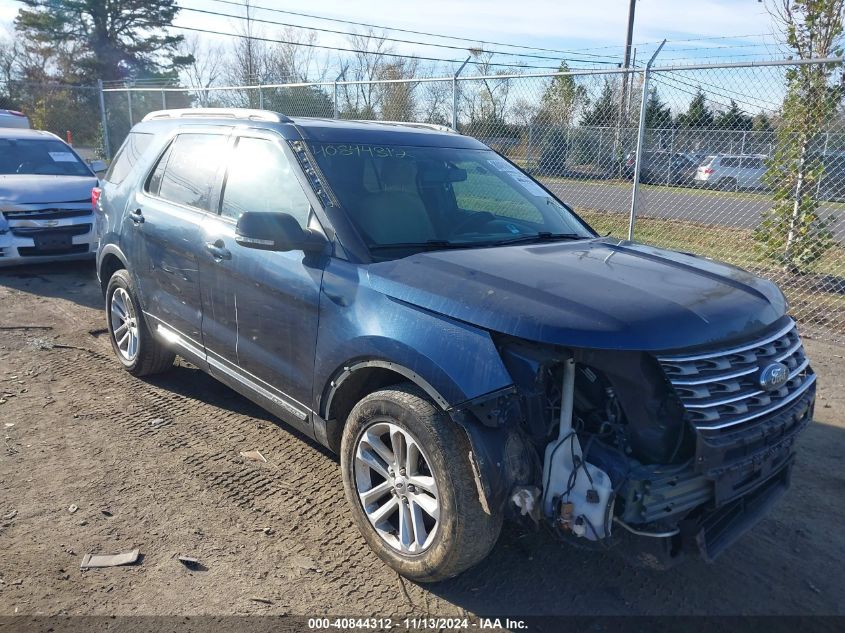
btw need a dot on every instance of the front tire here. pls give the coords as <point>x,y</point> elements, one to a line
<point>408,479</point>
<point>133,343</point>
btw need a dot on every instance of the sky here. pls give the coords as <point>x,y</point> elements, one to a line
<point>697,30</point>
<point>567,24</point>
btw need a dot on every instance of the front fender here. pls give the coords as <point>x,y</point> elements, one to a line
<point>454,360</point>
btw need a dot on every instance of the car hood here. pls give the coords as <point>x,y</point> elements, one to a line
<point>25,189</point>
<point>601,294</point>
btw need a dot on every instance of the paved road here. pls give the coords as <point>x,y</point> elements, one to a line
<point>742,210</point>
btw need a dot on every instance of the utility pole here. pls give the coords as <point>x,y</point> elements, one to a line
<point>632,7</point>
<point>626,65</point>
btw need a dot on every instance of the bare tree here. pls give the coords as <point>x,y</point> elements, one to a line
<point>368,64</point>
<point>487,104</point>
<point>396,99</point>
<point>205,71</point>
<point>296,55</point>
<point>435,103</point>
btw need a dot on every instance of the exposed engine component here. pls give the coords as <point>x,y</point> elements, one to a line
<point>577,496</point>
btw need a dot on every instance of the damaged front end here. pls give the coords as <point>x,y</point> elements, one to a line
<point>662,455</point>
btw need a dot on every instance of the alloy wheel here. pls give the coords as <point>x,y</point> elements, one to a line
<point>396,487</point>
<point>124,324</point>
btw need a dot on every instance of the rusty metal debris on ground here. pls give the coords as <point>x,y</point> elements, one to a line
<point>254,455</point>
<point>109,560</point>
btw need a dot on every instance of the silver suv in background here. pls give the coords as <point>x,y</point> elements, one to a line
<point>732,171</point>
<point>45,199</point>
<point>13,118</point>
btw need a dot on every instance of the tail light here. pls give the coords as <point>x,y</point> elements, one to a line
<point>95,197</point>
<point>630,162</point>
<point>708,171</point>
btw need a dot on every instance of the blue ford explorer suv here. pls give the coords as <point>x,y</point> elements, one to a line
<point>471,348</point>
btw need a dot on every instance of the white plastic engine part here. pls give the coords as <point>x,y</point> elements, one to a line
<point>581,502</point>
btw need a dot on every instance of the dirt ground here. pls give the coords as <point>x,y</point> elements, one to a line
<point>155,465</point>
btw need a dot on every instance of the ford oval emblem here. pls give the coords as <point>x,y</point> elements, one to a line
<point>774,376</point>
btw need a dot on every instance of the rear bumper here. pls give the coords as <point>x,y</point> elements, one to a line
<point>25,241</point>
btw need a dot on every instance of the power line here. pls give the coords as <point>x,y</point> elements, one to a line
<point>356,50</point>
<point>390,39</point>
<point>412,32</point>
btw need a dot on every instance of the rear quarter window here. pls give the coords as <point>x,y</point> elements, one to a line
<point>190,170</point>
<point>128,154</point>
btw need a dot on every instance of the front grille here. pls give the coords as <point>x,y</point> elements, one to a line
<point>47,214</point>
<point>720,388</point>
<point>31,231</point>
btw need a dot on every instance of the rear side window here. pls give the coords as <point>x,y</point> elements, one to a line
<point>189,170</point>
<point>260,179</point>
<point>127,156</point>
<point>752,163</point>
<point>730,161</point>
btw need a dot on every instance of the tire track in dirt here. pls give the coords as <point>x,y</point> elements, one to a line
<point>299,491</point>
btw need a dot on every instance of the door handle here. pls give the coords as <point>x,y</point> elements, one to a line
<point>218,250</point>
<point>137,216</point>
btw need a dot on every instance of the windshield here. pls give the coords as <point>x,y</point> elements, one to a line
<point>39,157</point>
<point>406,199</point>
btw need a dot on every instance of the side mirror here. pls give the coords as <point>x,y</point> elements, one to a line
<point>98,166</point>
<point>276,232</point>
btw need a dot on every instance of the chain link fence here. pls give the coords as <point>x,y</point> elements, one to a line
<point>721,168</point>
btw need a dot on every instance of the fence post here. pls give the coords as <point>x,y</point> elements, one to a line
<point>163,99</point>
<point>671,156</point>
<point>824,166</point>
<point>260,98</point>
<point>335,101</point>
<point>104,121</point>
<point>129,105</point>
<point>455,94</point>
<point>640,138</point>
<point>598,152</point>
<point>742,144</point>
<point>528,149</point>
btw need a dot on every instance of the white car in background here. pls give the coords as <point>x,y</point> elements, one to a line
<point>13,118</point>
<point>46,209</point>
<point>732,172</point>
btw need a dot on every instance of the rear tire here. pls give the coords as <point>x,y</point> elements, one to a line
<point>438,481</point>
<point>727,184</point>
<point>134,345</point>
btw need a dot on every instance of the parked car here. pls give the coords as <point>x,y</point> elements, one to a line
<point>732,172</point>
<point>13,118</point>
<point>831,185</point>
<point>45,199</point>
<point>661,168</point>
<point>470,346</point>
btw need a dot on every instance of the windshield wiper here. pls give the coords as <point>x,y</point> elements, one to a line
<point>542,236</point>
<point>428,245</point>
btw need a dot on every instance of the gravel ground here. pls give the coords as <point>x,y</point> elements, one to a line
<point>97,461</point>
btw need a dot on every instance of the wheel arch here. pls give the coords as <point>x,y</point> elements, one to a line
<point>110,260</point>
<point>354,381</point>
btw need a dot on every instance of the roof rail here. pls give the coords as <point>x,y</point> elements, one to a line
<point>219,113</point>
<point>431,126</point>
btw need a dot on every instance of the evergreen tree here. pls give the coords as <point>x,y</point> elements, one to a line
<point>103,39</point>
<point>604,111</point>
<point>698,115</point>
<point>733,119</point>
<point>657,114</point>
